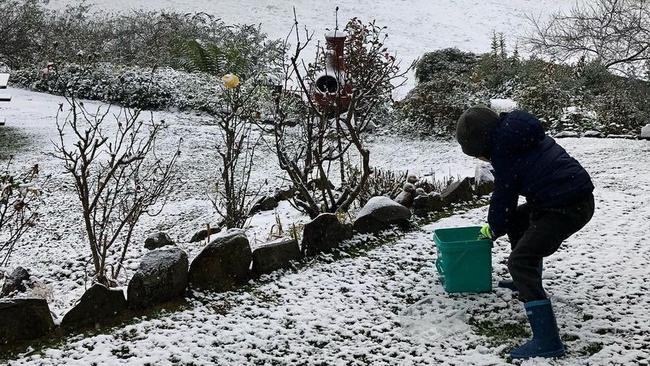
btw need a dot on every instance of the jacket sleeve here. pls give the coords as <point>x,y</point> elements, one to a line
<point>503,203</point>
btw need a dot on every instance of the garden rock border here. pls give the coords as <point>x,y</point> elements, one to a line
<point>224,264</point>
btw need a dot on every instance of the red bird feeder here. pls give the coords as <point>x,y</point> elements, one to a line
<point>331,91</point>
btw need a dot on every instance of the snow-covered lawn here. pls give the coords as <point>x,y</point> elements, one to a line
<point>381,307</point>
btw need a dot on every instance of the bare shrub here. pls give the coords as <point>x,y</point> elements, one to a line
<point>326,136</point>
<point>615,33</point>
<point>235,113</point>
<point>118,177</point>
<point>19,201</point>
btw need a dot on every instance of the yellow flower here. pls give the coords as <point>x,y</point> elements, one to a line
<point>230,81</point>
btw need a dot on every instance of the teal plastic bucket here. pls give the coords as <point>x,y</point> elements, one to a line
<point>464,261</point>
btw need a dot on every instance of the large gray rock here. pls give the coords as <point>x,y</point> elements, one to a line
<point>162,276</point>
<point>460,191</point>
<point>323,234</point>
<point>24,319</point>
<point>265,203</point>
<point>379,214</point>
<point>98,305</point>
<point>158,240</point>
<point>222,264</point>
<point>426,203</point>
<point>645,132</point>
<point>15,282</point>
<point>275,255</point>
<point>483,180</point>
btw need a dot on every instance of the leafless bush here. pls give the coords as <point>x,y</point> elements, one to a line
<point>19,200</point>
<point>380,183</point>
<point>326,136</point>
<point>615,33</point>
<point>235,113</point>
<point>118,177</point>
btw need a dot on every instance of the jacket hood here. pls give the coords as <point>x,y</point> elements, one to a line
<point>516,132</point>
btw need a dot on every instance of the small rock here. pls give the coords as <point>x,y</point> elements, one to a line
<point>483,180</point>
<point>24,319</point>
<point>98,305</point>
<point>323,234</point>
<point>412,179</point>
<point>284,194</point>
<point>405,198</point>
<point>265,203</point>
<point>275,255</point>
<point>645,132</point>
<point>203,234</point>
<point>162,276</point>
<point>565,134</point>
<point>15,282</point>
<point>420,192</point>
<point>158,240</point>
<point>592,133</point>
<point>222,264</point>
<point>628,137</point>
<point>409,187</point>
<point>379,214</point>
<point>460,191</point>
<point>423,204</point>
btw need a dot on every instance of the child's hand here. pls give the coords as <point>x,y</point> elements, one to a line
<point>486,233</point>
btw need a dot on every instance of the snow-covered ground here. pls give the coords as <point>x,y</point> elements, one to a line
<point>383,307</point>
<point>57,252</point>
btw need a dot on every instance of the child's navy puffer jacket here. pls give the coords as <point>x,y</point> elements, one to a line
<point>527,162</point>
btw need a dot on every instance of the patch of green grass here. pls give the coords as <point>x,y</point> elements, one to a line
<point>591,349</point>
<point>499,333</point>
<point>569,337</point>
<point>12,141</point>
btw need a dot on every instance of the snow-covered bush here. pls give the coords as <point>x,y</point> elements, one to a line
<point>434,106</point>
<point>127,86</point>
<point>579,97</point>
<point>618,113</point>
<point>447,61</point>
<point>34,35</point>
<point>547,100</point>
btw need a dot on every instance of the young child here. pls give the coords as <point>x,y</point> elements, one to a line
<point>559,202</point>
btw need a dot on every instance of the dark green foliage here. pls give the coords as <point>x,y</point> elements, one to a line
<point>448,60</point>
<point>129,58</point>
<point>34,35</point>
<point>243,51</point>
<point>578,97</point>
<point>435,105</point>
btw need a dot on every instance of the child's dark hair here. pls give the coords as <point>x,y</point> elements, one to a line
<point>474,130</point>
